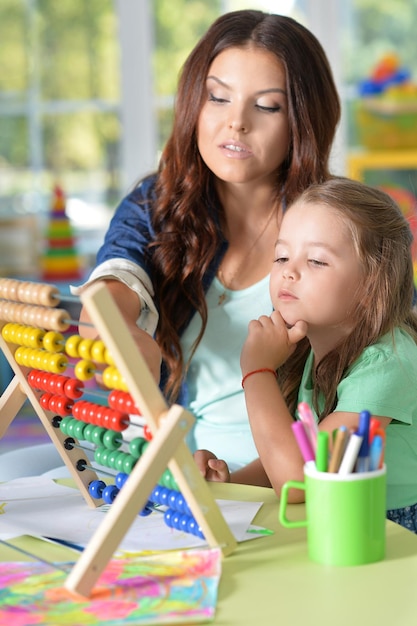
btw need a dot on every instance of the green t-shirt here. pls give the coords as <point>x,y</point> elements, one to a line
<point>383,381</point>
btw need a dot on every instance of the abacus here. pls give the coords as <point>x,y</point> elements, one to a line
<point>32,339</point>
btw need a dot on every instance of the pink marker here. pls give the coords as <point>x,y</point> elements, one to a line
<point>307,417</point>
<point>303,441</point>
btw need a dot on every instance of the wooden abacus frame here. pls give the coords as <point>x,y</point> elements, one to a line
<point>168,426</point>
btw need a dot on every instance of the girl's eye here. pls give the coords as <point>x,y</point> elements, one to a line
<point>281,259</point>
<point>318,263</point>
<point>275,109</point>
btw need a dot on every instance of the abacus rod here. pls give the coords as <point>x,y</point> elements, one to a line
<point>65,297</point>
<point>78,323</point>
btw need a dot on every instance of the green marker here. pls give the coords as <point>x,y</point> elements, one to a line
<point>322,452</point>
<point>260,531</point>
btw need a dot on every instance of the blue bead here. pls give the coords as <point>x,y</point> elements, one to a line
<point>147,509</point>
<point>163,499</point>
<point>168,517</point>
<point>176,520</point>
<point>95,489</point>
<point>183,522</point>
<point>155,495</point>
<point>192,525</point>
<point>120,479</point>
<point>110,493</point>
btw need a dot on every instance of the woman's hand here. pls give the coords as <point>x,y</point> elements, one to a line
<point>212,468</point>
<point>129,306</point>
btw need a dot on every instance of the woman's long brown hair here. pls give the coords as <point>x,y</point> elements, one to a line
<point>187,212</point>
<point>382,239</point>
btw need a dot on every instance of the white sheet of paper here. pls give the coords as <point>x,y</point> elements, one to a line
<point>39,507</point>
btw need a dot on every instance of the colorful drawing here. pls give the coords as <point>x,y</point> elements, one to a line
<point>175,587</point>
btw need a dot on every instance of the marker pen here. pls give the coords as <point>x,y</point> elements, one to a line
<point>322,452</point>
<point>307,417</point>
<point>375,452</point>
<point>351,454</point>
<point>303,441</point>
<point>362,464</point>
<point>339,446</point>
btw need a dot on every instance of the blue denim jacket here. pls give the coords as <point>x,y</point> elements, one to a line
<point>131,231</point>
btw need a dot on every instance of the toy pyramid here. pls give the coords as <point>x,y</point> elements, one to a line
<point>60,260</point>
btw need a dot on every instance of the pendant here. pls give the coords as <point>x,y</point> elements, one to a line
<point>222,298</point>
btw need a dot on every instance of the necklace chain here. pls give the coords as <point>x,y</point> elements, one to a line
<point>228,285</point>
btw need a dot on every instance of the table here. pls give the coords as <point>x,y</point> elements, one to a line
<point>270,581</point>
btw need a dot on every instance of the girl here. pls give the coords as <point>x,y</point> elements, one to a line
<point>342,336</point>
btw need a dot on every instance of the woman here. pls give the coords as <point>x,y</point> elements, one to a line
<point>188,253</point>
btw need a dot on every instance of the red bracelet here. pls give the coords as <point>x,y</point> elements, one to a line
<point>260,371</point>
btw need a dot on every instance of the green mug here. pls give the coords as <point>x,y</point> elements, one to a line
<point>345,515</point>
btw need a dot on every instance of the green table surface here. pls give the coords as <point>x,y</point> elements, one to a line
<point>270,581</point>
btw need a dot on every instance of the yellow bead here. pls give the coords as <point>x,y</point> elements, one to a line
<point>33,356</point>
<point>84,370</point>
<point>57,363</point>
<point>84,348</point>
<point>33,337</point>
<point>18,334</point>
<point>108,376</point>
<point>7,332</point>
<point>98,351</point>
<point>108,357</point>
<point>54,341</point>
<point>71,345</point>
<point>20,355</point>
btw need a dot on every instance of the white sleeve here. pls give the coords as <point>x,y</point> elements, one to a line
<point>134,277</point>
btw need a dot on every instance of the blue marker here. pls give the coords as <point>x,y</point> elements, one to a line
<point>375,452</point>
<point>362,464</point>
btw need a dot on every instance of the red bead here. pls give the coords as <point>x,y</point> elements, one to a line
<point>59,404</point>
<point>119,421</point>
<point>77,408</point>
<point>114,398</point>
<point>44,400</point>
<point>107,417</point>
<point>44,381</point>
<point>147,434</point>
<point>54,384</point>
<point>73,388</point>
<point>32,379</point>
<point>97,412</point>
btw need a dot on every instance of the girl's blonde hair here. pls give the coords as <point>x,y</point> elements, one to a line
<point>382,239</point>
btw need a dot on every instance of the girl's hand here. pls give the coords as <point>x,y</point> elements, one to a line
<point>270,342</point>
<point>212,468</point>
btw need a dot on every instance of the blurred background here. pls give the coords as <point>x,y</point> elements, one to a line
<point>87,90</point>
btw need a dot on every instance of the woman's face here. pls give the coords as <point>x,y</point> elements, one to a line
<point>242,129</point>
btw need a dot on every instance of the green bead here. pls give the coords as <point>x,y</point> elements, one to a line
<point>112,440</point>
<point>137,446</point>
<point>129,463</point>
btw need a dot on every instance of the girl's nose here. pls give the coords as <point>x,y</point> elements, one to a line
<point>289,273</point>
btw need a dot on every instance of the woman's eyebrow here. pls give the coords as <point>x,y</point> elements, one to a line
<point>258,93</point>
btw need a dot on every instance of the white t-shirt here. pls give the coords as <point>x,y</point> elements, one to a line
<point>215,394</point>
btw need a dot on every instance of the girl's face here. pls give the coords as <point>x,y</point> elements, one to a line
<point>316,272</point>
<point>242,130</point>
